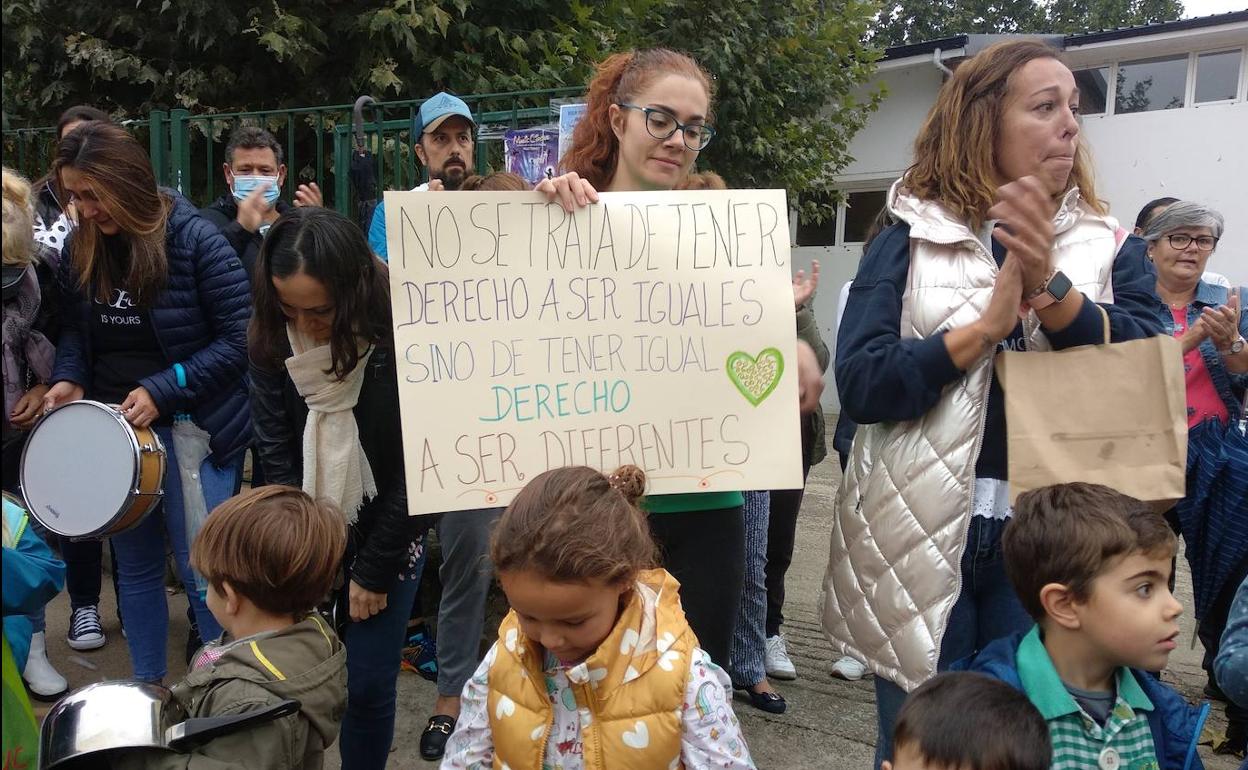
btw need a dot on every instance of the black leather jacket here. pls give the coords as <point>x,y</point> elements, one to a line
<point>381,536</point>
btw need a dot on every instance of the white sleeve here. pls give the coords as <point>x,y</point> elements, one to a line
<point>471,746</point>
<point>711,736</point>
<point>842,298</point>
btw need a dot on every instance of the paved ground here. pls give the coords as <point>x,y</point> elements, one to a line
<point>830,724</point>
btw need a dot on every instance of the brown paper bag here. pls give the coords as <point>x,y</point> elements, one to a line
<point>1106,414</point>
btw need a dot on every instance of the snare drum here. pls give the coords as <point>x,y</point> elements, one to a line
<point>86,472</point>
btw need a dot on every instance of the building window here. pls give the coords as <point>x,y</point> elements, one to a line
<point>1217,76</point>
<point>810,232</point>
<point>1093,90</point>
<point>1151,84</point>
<point>861,209</point>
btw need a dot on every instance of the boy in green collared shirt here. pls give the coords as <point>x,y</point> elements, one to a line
<point>1092,567</point>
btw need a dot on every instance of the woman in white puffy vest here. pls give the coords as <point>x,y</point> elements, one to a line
<point>1000,243</point>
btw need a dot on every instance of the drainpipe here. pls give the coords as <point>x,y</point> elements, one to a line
<point>940,65</point>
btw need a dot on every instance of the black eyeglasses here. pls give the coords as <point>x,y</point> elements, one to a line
<point>1181,241</point>
<point>662,124</point>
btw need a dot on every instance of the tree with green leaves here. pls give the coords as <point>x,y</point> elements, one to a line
<point>914,21</point>
<point>789,74</point>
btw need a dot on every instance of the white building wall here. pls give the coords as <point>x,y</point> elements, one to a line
<point>1198,154</point>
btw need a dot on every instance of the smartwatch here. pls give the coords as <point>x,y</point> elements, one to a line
<point>1051,291</point>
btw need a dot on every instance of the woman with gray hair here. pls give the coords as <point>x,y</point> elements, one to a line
<point>1207,319</point>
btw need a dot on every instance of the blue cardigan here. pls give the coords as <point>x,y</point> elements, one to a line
<point>200,319</point>
<point>1175,724</point>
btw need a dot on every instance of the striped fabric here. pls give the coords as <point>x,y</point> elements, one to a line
<point>1124,742</point>
<point>1214,515</point>
<point>746,663</point>
<point>1079,742</point>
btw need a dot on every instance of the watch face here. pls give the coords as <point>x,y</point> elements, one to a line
<point>1238,345</point>
<point>1059,285</point>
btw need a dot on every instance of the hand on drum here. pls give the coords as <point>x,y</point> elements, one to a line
<point>62,393</point>
<point>569,191</point>
<point>28,408</point>
<point>139,409</point>
<point>364,603</point>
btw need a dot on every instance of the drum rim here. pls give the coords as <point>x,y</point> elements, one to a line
<point>131,494</point>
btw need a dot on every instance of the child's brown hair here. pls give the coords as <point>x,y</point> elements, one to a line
<point>703,180</point>
<point>968,721</point>
<point>499,181</point>
<point>574,525</point>
<point>274,545</point>
<point>1071,533</point>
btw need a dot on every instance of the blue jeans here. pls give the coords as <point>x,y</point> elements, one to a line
<point>747,660</point>
<point>987,609</point>
<point>374,651</point>
<point>140,554</point>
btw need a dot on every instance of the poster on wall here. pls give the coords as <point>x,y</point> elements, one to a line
<point>653,329</point>
<point>532,153</point>
<point>569,116</point>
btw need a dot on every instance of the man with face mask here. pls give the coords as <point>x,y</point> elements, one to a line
<point>254,173</point>
<point>445,148</point>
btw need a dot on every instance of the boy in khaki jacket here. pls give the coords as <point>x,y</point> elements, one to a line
<point>270,556</point>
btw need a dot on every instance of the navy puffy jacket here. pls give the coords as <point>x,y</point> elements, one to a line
<point>1176,725</point>
<point>200,320</point>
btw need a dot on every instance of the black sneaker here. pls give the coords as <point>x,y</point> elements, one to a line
<point>85,631</point>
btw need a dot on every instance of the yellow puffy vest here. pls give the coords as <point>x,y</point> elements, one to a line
<point>629,693</point>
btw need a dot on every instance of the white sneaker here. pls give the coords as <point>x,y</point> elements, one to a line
<point>776,660</point>
<point>85,631</point>
<point>43,680</point>
<point>849,669</point>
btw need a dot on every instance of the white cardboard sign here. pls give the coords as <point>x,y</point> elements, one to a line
<point>655,329</point>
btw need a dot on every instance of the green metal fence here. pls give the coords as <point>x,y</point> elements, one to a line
<point>187,150</point>
<point>30,150</point>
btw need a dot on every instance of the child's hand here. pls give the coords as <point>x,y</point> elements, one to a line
<point>364,603</point>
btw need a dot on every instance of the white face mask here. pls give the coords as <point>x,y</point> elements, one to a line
<point>246,185</point>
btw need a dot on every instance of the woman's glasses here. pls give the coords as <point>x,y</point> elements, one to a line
<point>1181,241</point>
<point>662,124</point>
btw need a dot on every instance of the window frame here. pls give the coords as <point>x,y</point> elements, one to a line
<point>1189,88</point>
<point>1194,73</point>
<point>1188,81</point>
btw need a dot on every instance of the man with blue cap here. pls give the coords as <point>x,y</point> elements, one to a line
<point>444,146</point>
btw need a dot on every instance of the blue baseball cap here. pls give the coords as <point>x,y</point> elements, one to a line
<point>438,108</point>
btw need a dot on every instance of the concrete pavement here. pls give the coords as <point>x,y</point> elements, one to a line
<point>829,725</point>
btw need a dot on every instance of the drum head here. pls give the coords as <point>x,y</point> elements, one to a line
<point>78,468</point>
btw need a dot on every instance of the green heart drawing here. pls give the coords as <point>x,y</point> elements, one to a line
<point>755,377</point>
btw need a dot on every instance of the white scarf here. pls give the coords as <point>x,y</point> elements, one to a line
<point>334,464</point>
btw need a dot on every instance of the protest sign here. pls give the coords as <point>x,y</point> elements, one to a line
<point>650,328</point>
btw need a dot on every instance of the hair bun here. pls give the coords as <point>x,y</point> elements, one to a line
<point>630,481</point>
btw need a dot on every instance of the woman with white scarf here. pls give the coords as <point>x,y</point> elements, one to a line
<point>325,404</point>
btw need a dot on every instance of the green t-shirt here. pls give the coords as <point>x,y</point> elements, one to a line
<point>693,501</point>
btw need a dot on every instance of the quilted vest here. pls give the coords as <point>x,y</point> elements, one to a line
<point>904,508</point>
<point>630,692</point>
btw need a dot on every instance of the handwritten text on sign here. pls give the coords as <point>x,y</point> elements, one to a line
<point>651,328</point>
